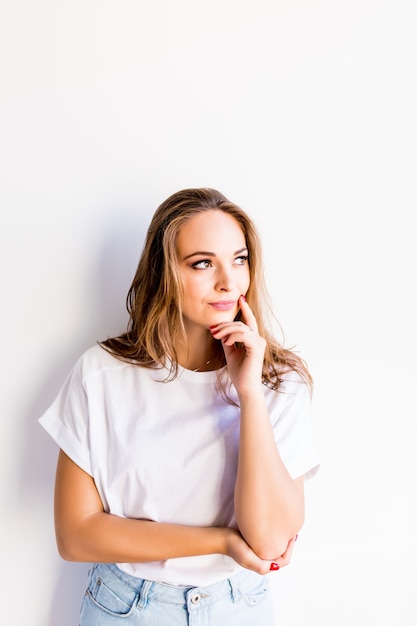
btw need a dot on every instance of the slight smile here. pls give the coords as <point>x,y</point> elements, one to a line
<point>224,305</point>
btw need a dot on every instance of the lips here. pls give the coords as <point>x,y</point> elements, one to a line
<point>223,305</point>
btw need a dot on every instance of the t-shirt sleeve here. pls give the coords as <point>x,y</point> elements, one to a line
<point>293,429</point>
<point>66,420</point>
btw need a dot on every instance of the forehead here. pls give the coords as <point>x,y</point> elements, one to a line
<point>211,230</point>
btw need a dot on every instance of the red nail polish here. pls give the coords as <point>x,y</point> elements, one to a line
<point>212,327</point>
<point>274,567</point>
<point>243,298</point>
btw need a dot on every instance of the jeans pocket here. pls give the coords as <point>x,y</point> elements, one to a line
<point>254,588</point>
<point>118,600</point>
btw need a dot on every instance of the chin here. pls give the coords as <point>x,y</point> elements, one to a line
<point>226,316</point>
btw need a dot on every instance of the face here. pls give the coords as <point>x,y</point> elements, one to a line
<point>213,265</point>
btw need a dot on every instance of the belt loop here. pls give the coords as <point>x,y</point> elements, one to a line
<point>143,594</point>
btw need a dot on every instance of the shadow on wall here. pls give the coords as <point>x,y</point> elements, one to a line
<point>68,594</point>
<point>120,244</point>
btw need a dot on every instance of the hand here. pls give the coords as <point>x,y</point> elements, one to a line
<point>240,551</point>
<point>285,558</point>
<point>243,347</point>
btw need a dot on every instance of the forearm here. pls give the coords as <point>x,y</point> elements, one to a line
<point>85,532</point>
<point>106,538</point>
<point>269,505</point>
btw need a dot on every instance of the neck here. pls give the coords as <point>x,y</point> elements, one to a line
<point>200,353</point>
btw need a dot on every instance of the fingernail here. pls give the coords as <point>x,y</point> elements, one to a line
<point>296,537</point>
<point>274,567</point>
<point>243,298</point>
<point>212,327</point>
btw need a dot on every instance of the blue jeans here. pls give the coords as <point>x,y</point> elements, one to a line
<point>114,598</point>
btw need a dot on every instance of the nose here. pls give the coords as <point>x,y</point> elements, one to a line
<point>224,280</point>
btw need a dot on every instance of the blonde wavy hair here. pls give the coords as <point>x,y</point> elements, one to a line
<point>154,300</point>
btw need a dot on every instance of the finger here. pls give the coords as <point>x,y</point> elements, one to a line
<point>253,562</point>
<point>232,332</point>
<point>285,558</point>
<point>239,339</point>
<point>247,315</point>
<point>264,567</point>
<point>290,546</point>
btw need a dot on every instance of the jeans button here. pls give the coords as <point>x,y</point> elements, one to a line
<point>196,599</point>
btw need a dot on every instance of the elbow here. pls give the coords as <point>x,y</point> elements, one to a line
<point>66,549</point>
<point>75,540</point>
<point>65,553</point>
<point>272,550</point>
<point>69,548</point>
<point>272,543</point>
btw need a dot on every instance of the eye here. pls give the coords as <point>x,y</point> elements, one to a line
<point>201,265</point>
<point>242,260</point>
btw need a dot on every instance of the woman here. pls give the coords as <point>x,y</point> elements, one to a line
<point>180,474</point>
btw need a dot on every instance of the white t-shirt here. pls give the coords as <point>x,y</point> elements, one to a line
<point>167,451</point>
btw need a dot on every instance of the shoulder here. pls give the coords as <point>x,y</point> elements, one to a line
<point>293,397</point>
<point>291,382</point>
<point>97,360</point>
<point>97,367</point>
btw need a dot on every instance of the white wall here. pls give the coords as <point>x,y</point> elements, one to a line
<point>304,113</point>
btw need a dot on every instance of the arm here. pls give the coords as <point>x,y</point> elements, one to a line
<point>85,532</point>
<point>269,504</point>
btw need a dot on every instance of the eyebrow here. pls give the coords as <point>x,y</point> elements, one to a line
<point>212,254</point>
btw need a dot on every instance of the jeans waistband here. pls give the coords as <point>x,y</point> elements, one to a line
<point>147,590</point>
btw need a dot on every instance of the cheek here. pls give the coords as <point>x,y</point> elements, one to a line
<point>246,280</point>
<point>194,288</point>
